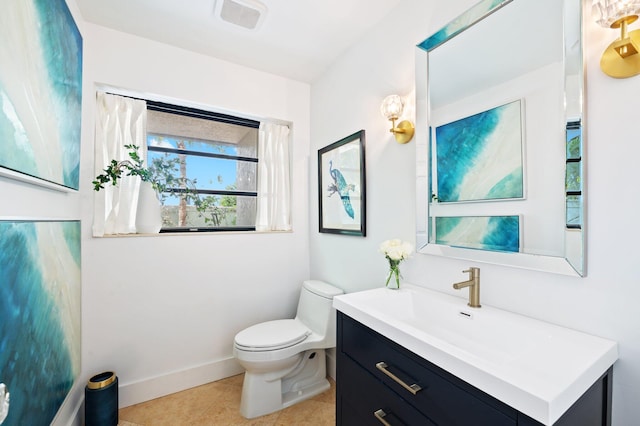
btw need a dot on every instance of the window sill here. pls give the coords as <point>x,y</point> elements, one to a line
<point>170,234</point>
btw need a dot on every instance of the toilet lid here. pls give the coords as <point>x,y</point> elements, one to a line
<point>272,335</point>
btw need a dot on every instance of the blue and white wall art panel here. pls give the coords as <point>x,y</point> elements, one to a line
<point>40,92</point>
<point>39,317</point>
<point>495,233</point>
<point>480,157</point>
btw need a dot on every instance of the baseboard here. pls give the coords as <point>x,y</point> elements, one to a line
<point>76,417</point>
<point>71,412</point>
<point>146,390</point>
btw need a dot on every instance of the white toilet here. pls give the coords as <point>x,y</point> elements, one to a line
<point>284,359</point>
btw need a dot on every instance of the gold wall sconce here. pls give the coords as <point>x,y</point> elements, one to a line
<point>391,109</point>
<point>621,59</point>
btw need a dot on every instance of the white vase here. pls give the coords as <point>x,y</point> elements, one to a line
<point>149,214</point>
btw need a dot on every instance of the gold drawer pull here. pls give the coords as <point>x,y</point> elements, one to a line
<point>414,388</point>
<point>380,415</point>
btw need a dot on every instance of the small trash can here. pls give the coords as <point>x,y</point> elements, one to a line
<point>101,400</point>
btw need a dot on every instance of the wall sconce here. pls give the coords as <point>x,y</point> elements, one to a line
<point>391,109</point>
<point>621,58</point>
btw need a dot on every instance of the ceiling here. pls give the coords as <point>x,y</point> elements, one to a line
<point>298,39</point>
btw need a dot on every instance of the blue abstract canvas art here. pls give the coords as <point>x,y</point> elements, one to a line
<point>40,91</point>
<point>39,317</point>
<point>495,233</point>
<point>480,157</point>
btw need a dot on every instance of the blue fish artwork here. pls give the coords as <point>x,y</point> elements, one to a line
<point>341,187</point>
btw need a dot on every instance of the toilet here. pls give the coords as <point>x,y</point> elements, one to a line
<point>285,359</point>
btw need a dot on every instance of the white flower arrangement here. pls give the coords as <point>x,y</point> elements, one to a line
<point>395,251</point>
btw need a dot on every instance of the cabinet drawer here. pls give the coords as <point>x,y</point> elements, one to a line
<point>442,397</point>
<point>361,398</point>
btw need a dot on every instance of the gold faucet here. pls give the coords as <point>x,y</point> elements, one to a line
<point>474,286</point>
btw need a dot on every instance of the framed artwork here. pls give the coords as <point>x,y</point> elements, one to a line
<point>479,158</point>
<point>39,316</point>
<point>40,93</point>
<point>495,233</point>
<point>341,186</point>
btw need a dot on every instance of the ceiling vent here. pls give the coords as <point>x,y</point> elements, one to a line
<point>247,14</point>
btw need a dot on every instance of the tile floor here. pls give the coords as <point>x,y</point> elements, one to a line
<point>218,403</point>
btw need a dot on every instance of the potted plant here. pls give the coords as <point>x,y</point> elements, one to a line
<point>148,216</point>
<point>160,178</point>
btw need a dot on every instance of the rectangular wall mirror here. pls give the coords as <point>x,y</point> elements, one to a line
<point>499,137</point>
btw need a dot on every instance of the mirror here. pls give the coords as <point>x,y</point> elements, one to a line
<point>499,137</point>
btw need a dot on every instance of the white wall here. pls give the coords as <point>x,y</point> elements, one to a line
<point>347,98</point>
<point>162,311</point>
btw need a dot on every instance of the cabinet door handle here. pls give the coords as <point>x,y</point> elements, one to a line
<point>380,415</point>
<point>414,388</point>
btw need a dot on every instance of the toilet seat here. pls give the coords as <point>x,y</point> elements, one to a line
<point>272,335</point>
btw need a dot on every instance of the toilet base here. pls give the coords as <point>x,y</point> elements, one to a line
<point>263,394</point>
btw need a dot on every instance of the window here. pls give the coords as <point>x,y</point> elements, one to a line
<point>207,165</point>
<point>213,172</point>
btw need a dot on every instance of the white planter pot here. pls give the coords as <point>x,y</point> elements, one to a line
<point>148,216</point>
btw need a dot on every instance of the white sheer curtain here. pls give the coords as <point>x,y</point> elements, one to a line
<point>274,191</point>
<point>120,121</point>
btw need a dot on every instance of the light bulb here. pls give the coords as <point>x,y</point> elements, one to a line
<point>391,107</point>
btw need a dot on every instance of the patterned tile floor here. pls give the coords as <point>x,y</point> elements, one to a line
<point>218,403</point>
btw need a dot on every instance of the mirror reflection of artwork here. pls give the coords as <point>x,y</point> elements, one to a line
<point>480,157</point>
<point>573,172</point>
<point>475,13</point>
<point>495,233</point>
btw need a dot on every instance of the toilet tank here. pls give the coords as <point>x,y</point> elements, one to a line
<point>315,309</point>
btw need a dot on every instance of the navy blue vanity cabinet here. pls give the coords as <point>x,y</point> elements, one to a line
<point>420,393</point>
<point>381,403</point>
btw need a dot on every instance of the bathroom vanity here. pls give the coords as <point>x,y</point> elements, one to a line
<point>419,357</point>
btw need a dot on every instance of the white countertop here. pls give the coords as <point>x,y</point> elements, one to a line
<point>536,367</point>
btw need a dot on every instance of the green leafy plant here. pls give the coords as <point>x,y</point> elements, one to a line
<point>164,174</point>
<point>161,174</point>
<point>115,169</point>
<point>215,209</point>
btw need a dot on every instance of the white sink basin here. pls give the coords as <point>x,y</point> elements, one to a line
<point>536,367</point>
